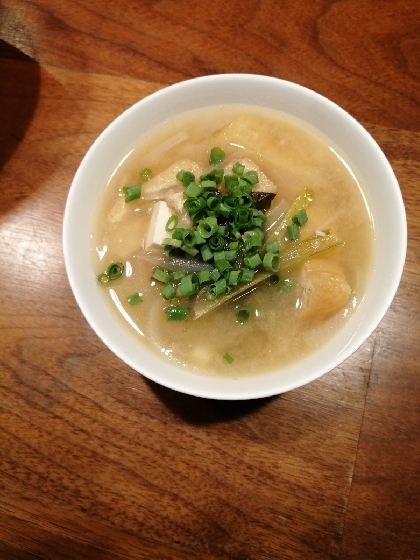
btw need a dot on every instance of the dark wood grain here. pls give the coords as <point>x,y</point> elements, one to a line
<point>96,461</point>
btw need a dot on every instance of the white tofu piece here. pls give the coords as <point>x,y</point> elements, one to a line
<point>157,228</point>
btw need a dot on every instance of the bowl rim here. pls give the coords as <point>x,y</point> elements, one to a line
<point>191,383</point>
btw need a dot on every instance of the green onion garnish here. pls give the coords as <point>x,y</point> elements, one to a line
<point>193,190</point>
<point>253,261</point>
<point>207,227</point>
<point>186,177</point>
<point>243,314</point>
<point>271,261</point>
<point>247,275</point>
<point>177,312</point>
<point>286,285</point>
<point>272,247</point>
<point>251,177</point>
<point>228,358</point>
<point>134,299</point>
<point>301,217</point>
<point>115,270</point>
<point>238,168</point>
<point>204,276</point>
<point>161,275</point>
<point>102,278</point>
<point>274,280</point>
<point>177,275</point>
<point>206,253</point>
<point>168,292</point>
<point>172,242</point>
<point>145,174</point>
<point>216,155</point>
<point>189,286</point>
<point>293,231</point>
<point>171,223</point>
<point>131,193</point>
<point>216,289</point>
<point>215,175</point>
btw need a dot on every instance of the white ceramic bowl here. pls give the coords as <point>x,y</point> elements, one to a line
<point>381,189</point>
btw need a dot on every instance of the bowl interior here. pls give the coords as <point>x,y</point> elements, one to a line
<point>381,190</point>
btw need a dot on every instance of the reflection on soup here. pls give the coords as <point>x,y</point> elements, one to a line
<point>263,272</point>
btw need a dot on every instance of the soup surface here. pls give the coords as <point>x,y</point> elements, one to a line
<point>288,320</point>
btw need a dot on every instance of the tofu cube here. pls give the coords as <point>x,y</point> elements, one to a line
<point>157,228</point>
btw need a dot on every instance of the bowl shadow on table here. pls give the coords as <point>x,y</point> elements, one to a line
<point>19,93</point>
<point>200,411</point>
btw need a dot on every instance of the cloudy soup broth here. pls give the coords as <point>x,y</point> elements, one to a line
<point>288,313</point>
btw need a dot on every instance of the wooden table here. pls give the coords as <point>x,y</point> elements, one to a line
<point>98,462</point>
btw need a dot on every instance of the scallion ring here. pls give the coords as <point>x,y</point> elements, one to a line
<point>243,314</point>
<point>172,223</point>
<point>115,270</point>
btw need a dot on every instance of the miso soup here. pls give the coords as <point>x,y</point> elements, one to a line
<point>291,302</point>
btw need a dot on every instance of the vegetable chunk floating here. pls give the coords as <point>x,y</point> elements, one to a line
<point>212,240</point>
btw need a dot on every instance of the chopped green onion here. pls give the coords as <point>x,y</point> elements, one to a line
<point>213,203</point>
<point>214,275</point>
<point>272,247</point>
<point>242,217</point>
<point>206,253</point>
<point>274,280</point>
<point>168,291</point>
<point>204,276</point>
<point>253,261</point>
<point>207,227</point>
<point>233,277</point>
<point>252,241</point>
<point>222,265</point>
<point>208,184</point>
<point>102,278</point>
<point>251,177</point>
<point>301,217</point>
<point>271,261</point>
<point>161,275</point>
<point>243,314</point>
<point>216,242</point>
<point>177,233</point>
<point>177,312</point>
<point>189,285</point>
<point>145,174</point>
<point>293,231</point>
<point>134,299</point>
<point>190,250</point>
<point>186,177</point>
<point>216,155</point>
<point>193,190</point>
<point>238,168</point>
<point>216,289</point>
<point>171,223</point>
<point>286,285</point>
<point>131,193</point>
<point>172,242</point>
<point>177,275</point>
<point>302,201</point>
<point>194,205</point>
<point>115,270</point>
<point>188,237</point>
<point>215,175</point>
<point>247,275</point>
<point>231,181</point>
<point>228,358</point>
<point>198,239</point>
